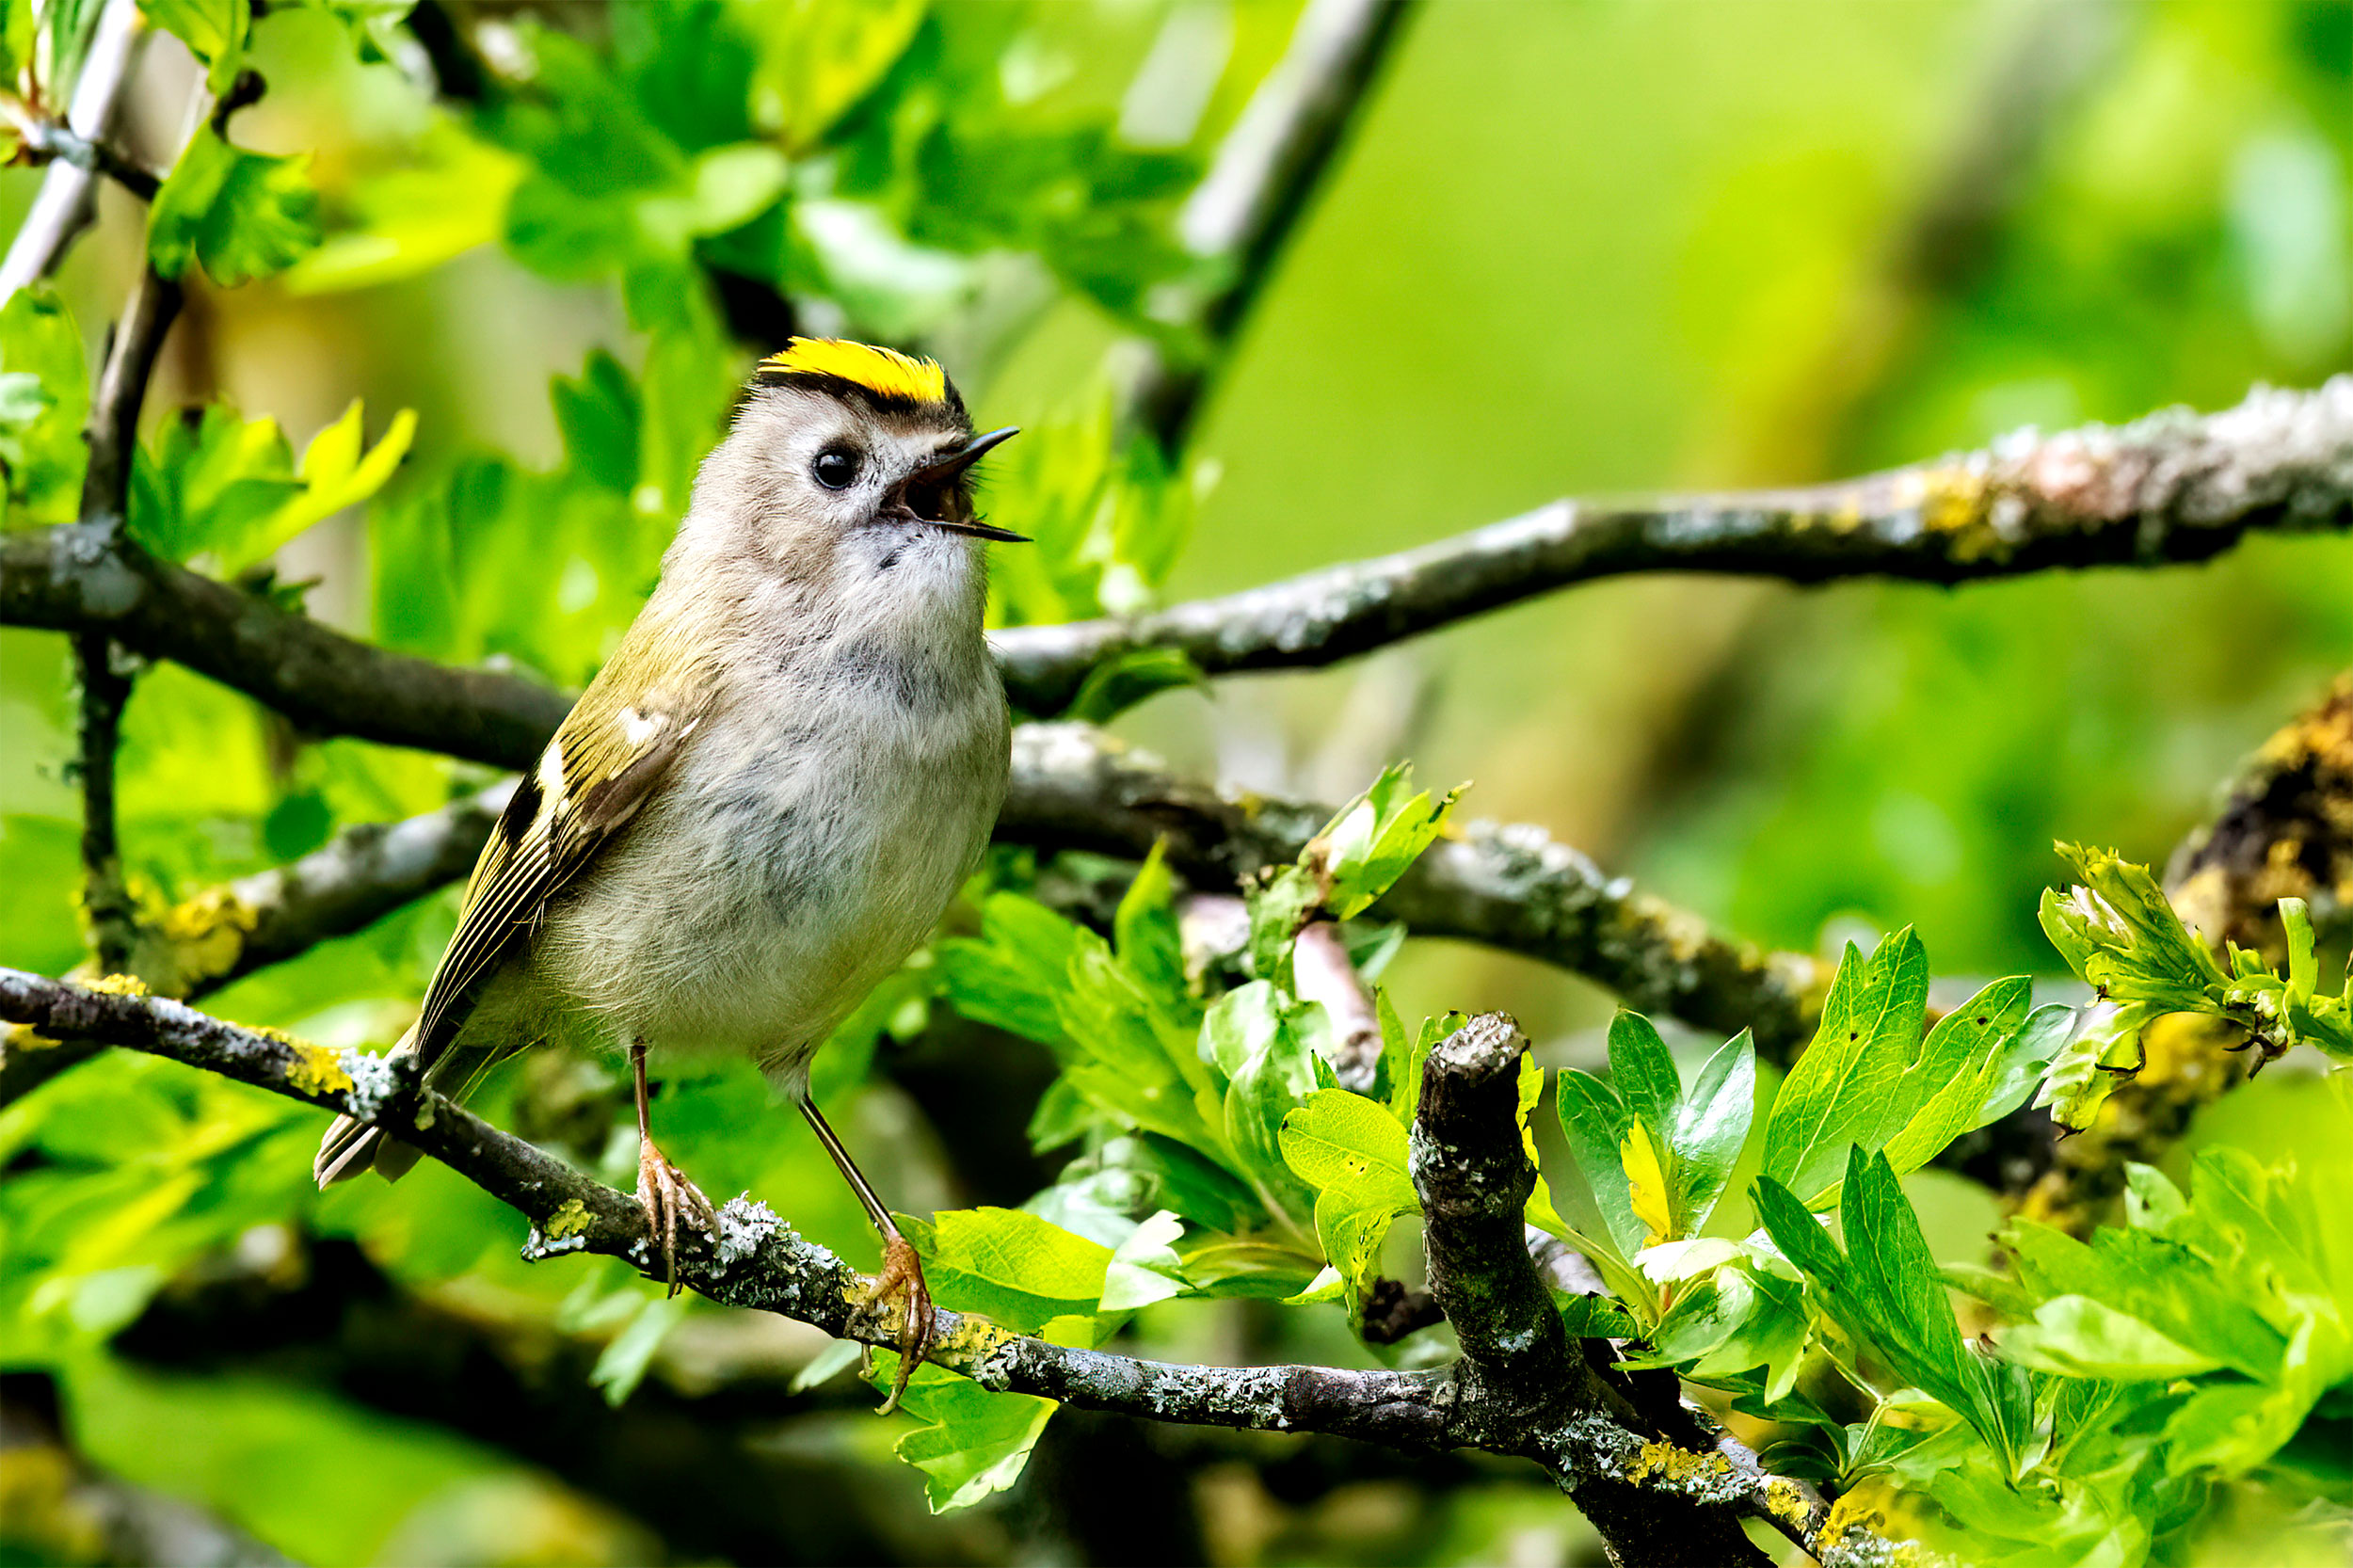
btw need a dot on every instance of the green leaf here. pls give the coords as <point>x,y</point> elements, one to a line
<point>1351,1151</point>
<point>214,30</point>
<point>1886,1289</point>
<point>973,1442</point>
<point>1014,975</point>
<point>2158,1282</point>
<point>241,214</point>
<point>1254,1037</point>
<point>816,60</point>
<point>622,1365</point>
<point>1145,1267</point>
<point>452,197</point>
<point>1133,1055</point>
<point>1020,1270</point>
<point>2077,1336</point>
<point>40,442</point>
<point>1845,1088</point>
<point>1146,933</point>
<point>1710,1128</point>
<point>1372,841</point>
<point>1595,1121</point>
<point>1130,676</point>
<point>1596,1318</point>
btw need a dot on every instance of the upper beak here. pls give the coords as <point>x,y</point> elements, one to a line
<point>955,463</point>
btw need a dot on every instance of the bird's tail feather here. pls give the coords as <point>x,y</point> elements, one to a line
<point>352,1147</point>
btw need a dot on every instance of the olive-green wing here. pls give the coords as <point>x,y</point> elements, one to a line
<point>594,776</point>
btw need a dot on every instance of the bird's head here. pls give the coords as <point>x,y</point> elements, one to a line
<point>847,462</point>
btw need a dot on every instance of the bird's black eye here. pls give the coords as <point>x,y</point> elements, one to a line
<point>836,468</point>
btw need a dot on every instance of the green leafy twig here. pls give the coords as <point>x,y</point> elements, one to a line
<point>2119,933</point>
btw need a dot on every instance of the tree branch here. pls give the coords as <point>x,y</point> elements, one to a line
<point>2172,488</point>
<point>2169,488</point>
<point>1248,205</point>
<point>1511,887</point>
<point>111,433</point>
<point>755,1260</point>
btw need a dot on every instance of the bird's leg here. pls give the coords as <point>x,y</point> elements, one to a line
<point>902,1270</point>
<point>663,1190</point>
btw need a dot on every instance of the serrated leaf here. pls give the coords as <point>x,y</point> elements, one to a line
<point>973,1442</point>
<point>241,214</point>
<point>1841,1090</point>
<point>2079,1338</point>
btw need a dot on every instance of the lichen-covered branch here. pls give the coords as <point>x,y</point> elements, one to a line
<point>2172,487</point>
<point>755,1260</point>
<point>2284,830</point>
<point>1511,887</point>
<point>1242,214</point>
<point>72,579</point>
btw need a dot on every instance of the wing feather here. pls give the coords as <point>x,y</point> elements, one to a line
<point>594,778</point>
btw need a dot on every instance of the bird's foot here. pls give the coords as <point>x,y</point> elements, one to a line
<point>666,1193</point>
<point>902,1274</point>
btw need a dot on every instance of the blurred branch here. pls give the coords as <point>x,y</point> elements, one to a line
<point>2169,488</point>
<point>754,1261</point>
<point>1944,244</point>
<point>1247,206</point>
<point>688,1466</point>
<point>65,205</point>
<point>57,1508</point>
<point>2284,830</point>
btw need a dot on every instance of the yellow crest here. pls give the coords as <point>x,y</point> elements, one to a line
<point>884,375</point>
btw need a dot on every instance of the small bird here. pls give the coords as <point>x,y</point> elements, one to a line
<point>770,792</point>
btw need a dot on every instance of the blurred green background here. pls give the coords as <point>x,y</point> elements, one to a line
<point>1573,249</point>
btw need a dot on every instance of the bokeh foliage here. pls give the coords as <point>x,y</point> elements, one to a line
<point>1576,247</point>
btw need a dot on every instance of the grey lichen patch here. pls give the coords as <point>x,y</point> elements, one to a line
<point>369,1081</point>
<point>745,1225</point>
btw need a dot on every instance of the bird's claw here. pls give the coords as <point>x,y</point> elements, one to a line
<point>664,1191</point>
<point>902,1274</point>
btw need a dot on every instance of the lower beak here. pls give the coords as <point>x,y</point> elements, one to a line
<point>955,463</point>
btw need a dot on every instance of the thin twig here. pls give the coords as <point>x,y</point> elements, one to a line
<point>755,1260</point>
<point>112,432</point>
<point>1242,214</point>
<point>63,207</point>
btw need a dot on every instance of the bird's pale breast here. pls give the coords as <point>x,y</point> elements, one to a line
<point>810,836</point>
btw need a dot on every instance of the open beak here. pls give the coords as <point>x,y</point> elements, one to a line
<point>944,469</point>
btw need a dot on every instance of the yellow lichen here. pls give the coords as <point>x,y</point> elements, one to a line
<point>567,1221</point>
<point>206,934</point>
<point>1673,1463</point>
<point>1784,1501</point>
<point>316,1069</point>
<point>119,986</point>
<point>1861,1509</point>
